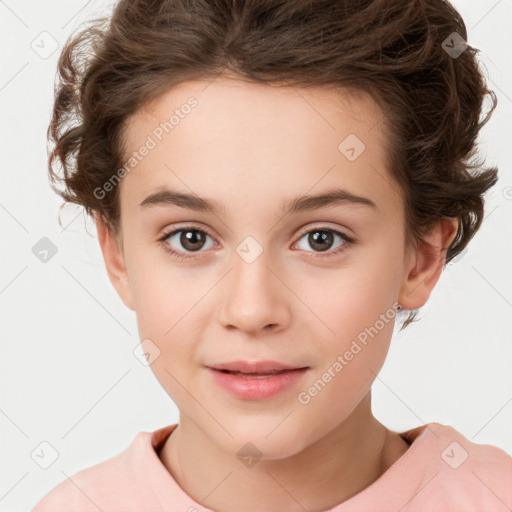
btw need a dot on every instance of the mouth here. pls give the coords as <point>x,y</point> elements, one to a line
<point>256,381</point>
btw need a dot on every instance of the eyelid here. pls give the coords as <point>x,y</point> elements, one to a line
<point>304,230</point>
<point>167,232</point>
<point>325,226</point>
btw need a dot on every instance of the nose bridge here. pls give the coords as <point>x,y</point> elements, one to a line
<point>256,297</point>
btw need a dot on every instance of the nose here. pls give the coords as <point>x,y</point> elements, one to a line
<point>256,298</point>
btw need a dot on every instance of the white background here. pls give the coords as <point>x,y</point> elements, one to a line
<point>68,375</point>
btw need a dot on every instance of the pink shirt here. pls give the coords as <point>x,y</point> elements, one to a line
<point>441,471</point>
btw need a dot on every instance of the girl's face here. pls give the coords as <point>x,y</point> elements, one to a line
<point>251,277</point>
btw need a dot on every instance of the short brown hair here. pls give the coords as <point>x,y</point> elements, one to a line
<point>391,49</point>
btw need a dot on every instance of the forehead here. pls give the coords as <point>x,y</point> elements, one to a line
<point>226,103</point>
<point>215,137</point>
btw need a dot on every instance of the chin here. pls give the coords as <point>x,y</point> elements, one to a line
<point>256,439</point>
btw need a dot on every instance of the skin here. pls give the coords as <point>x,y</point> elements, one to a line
<point>252,147</point>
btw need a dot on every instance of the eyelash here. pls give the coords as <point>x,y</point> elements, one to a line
<point>180,256</point>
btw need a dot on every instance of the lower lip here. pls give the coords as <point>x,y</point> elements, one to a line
<point>257,388</point>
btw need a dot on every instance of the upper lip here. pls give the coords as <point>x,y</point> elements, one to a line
<point>253,367</point>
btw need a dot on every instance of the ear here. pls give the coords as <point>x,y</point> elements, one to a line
<point>114,261</point>
<point>425,264</point>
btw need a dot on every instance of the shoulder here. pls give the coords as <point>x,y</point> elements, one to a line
<point>474,476</point>
<point>85,490</point>
<point>112,482</point>
<point>458,452</point>
<point>65,496</point>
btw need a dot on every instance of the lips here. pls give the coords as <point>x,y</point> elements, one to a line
<point>256,381</point>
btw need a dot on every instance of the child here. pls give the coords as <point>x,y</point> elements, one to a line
<point>318,152</point>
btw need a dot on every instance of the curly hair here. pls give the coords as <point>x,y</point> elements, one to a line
<point>432,100</point>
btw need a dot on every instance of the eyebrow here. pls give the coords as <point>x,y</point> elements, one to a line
<point>332,197</point>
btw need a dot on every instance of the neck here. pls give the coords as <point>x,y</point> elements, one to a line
<point>333,469</point>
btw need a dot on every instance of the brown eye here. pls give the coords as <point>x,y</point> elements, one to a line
<point>192,239</point>
<point>322,240</point>
<point>186,240</point>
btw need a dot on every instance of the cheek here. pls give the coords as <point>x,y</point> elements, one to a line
<point>162,293</point>
<point>354,298</point>
<point>170,307</point>
<point>358,306</point>
<point>344,376</point>
<point>362,329</point>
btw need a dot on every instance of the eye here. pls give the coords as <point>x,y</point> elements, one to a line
<point>321,239</point>
<point>191,239</point>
